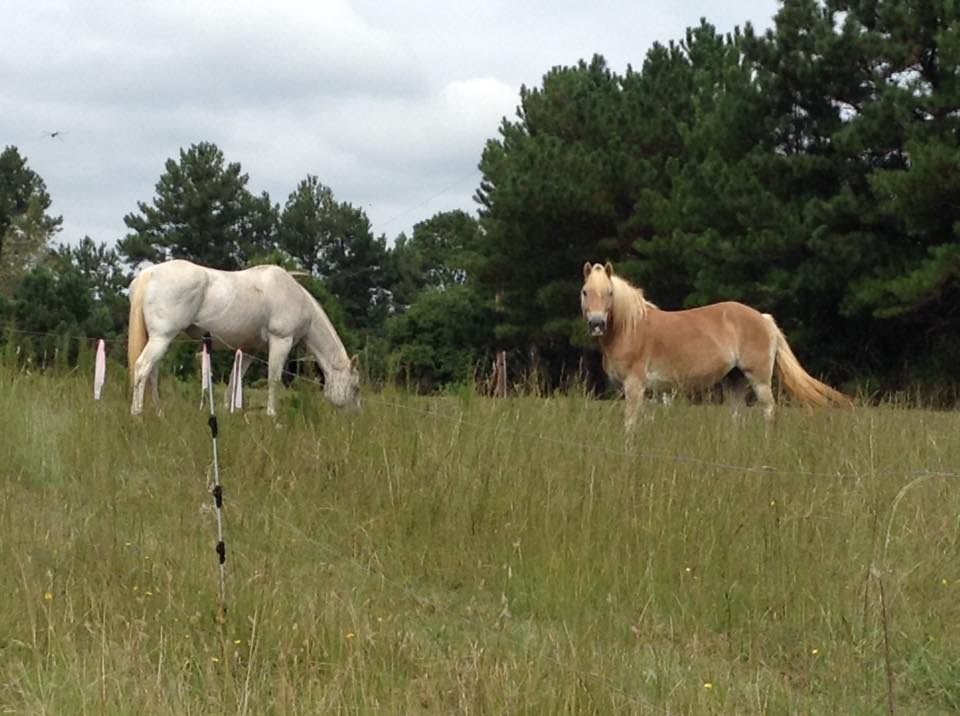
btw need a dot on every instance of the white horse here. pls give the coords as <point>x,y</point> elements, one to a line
<point>259,308</point>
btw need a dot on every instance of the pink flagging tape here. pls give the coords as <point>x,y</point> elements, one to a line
<point>204,372</point>
<point>100,370</point>
<point>236,382</point>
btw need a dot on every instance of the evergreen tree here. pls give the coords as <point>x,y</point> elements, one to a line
<point>333,240</point>
<point>74,290</point>
<point>25,225</point>
<point>552,195</point>
<point>865,116</point>
<point>106,280</point>
<point>203,212</point>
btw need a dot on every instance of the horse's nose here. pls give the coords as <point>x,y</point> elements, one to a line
<point>597,324</point>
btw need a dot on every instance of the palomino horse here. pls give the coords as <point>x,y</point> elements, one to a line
<point>255,309</point>
<point>695,349</point>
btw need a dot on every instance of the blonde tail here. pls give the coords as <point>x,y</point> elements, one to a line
<point>798,382</point>
<point>137,335</point>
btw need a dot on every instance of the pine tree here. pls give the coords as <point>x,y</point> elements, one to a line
<point>25,226</point>
<point>202,212</point>
<point>333,240</point>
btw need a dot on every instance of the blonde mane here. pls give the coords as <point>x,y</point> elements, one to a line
<point>629,305</point>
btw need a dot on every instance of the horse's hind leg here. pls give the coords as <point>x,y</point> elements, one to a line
<point>764,396</point>
<point>154,380</point>
<point>735,392</point>
<point>148,361</point>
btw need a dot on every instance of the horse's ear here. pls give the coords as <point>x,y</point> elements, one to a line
<point>608,268</point>
<point>586,269</point>
<point>354,361</point>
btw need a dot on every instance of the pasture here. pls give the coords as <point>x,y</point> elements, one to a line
<point>466,555</point>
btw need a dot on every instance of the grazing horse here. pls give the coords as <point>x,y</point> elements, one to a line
<point>259,308</point>
<point>644,346</point>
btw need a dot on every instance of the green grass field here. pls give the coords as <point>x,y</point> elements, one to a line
<point>465,555</point>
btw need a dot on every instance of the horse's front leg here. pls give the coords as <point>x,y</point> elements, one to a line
<point>633,390</point>
<point>279,350</point>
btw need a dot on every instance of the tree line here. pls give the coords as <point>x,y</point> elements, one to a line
<point>811,171</point>
<point>403,306</point>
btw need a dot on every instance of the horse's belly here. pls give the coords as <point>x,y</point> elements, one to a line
<point>661,381</point>
<point>690,377</point>
<point>225,337</point>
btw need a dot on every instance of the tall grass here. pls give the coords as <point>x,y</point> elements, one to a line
<point>465,555</point>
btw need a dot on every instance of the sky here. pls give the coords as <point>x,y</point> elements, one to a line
<point>387,103</point>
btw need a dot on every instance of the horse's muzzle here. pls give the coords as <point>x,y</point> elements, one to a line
<point>597,324</point>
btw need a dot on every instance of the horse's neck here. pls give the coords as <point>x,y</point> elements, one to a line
<point>322,340</point>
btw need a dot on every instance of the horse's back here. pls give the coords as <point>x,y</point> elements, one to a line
<point>714,319</point>
<point>242,307</point>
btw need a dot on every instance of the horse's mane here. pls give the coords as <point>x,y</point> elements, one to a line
<point>629,304</point>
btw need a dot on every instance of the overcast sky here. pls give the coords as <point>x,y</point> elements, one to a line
<point>388,103</point>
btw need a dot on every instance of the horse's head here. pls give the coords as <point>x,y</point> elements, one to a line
<point>596,297</point>
<point>342,386</point>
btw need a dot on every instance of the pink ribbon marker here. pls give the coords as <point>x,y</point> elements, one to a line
<point>236,378</point>
<point>100,370</point>
<point>204,371</point>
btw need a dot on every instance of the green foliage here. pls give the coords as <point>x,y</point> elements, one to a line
<point>441,338</point>
<point>75,291</point>
<point>25,226</point>
<point>333,240</point>
<point>106,279</point>
<point>52,302</point>
<point>203,212</point>
<point>442,252</point>
<point>551,191</point>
